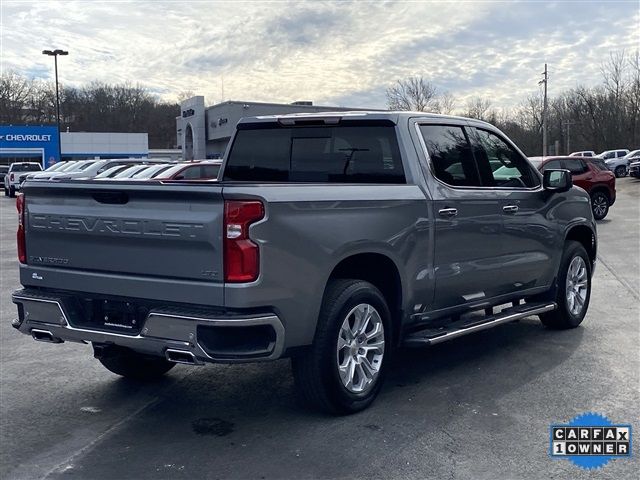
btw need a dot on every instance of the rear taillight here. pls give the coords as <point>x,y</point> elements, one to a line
<point>241,254</point>
<point>22,247</point>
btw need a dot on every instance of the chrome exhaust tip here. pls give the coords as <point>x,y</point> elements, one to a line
<point>181,356</point>
<point>45,336</point>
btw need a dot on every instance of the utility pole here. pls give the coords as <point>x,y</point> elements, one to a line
<point>568,124</point>
<point>544,82</point>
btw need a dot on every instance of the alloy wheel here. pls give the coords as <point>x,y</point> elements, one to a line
<point>599,204</point>
<point>576,285</point>
<point>360,348</point>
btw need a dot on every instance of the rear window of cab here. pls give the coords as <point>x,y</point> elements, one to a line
<point>316,154</point>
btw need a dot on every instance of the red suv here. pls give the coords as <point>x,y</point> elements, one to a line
<point>591,174</point>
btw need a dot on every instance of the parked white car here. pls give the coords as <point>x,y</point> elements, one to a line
<point>615,161</point>
<point>631,157</point>
<point>583,153</point>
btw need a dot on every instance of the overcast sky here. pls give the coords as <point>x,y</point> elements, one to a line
<point>335,53</point>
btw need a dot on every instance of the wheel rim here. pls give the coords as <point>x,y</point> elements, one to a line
<point>577,283</point>
<point>599,204</point>
<point>360,348</point>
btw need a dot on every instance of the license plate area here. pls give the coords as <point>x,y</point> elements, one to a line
<point>109,315</point>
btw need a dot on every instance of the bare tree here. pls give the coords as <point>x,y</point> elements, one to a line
<point>613,73</point>
<point>480,108</point>
<point>445,103</point>
<point>15,92</point>
<point>414,93</point>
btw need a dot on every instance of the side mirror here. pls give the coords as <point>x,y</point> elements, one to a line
<point>557,180</point>
<point>179,177</point>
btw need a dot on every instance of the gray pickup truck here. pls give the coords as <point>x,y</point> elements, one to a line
<point>331,239</point>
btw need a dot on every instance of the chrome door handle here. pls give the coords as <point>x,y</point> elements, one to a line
<point>448,212</point>
<point>510,209</point>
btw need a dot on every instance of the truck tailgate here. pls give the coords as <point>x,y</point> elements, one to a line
<point>150,229</point>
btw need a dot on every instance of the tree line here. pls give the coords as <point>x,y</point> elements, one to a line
<point>97,107</point>
<point>603,117</point>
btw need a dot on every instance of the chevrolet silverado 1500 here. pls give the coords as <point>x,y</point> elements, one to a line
<point>331,239</point>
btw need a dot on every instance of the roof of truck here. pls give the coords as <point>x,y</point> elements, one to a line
<point>393,116</point>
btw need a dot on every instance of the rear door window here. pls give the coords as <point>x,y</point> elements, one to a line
<point>552,165</point>
<point>450,155</point>
<point>576,167</point>
<point>341,154</point>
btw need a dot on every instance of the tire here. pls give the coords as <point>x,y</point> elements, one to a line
<point>599,204</point>
<point>620,171</point>
<point>316,370</point>
<point>6,192</point>
<point>134,365</point>
<point>570,314</point>
<point>12,192</point>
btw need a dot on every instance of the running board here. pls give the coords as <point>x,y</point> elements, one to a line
<point>432,336</point>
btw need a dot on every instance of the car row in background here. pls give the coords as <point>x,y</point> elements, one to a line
<point>618,161</point>
<point>589,173</point>
<point>110,170</point>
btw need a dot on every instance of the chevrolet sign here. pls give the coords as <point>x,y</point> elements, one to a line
<point>26,138</point>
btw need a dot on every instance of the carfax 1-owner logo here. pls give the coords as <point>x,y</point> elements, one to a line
<point>590,441</point>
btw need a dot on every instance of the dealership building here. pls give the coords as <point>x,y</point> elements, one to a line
<point>30,143</point>
<point>204,132</point>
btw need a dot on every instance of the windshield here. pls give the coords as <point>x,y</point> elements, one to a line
<point>150,171</point>
<point>110,172</point>
<point>130,171</point>
<point>77,166</point>
<point>169,172</point>
<point>85,166</point>
<point>55,167</point>
<point>68,166</point>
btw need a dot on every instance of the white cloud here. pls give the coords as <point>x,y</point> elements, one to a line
<point>332,53</point>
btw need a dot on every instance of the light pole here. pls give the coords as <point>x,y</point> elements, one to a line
<point>54,54</point>
<point>544,81</point>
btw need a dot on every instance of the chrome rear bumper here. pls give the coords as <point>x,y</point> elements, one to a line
<point>170,334</point>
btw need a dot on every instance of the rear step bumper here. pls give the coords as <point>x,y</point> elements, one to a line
<point>181,337</point>
<point>433,336</point>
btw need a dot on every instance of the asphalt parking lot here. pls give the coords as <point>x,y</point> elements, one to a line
<point>478,407</point>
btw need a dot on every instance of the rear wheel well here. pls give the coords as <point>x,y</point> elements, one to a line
<point>380,271</point>
<point>586,237</point>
